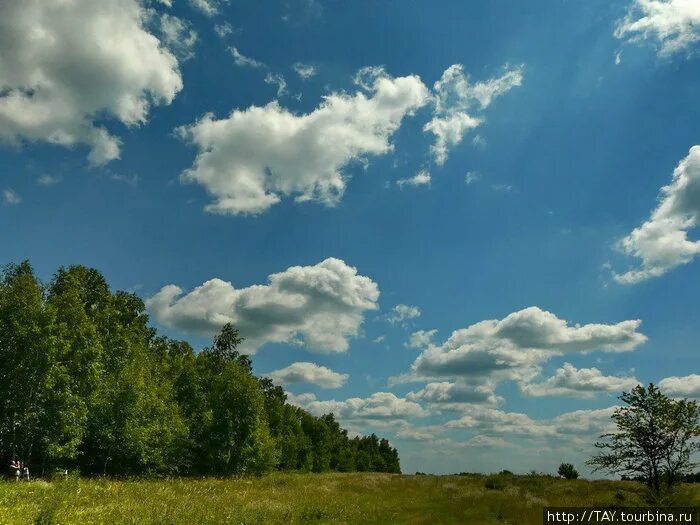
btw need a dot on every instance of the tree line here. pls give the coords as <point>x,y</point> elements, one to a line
<point>86,383</point>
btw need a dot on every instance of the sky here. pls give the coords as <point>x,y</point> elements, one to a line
<point>465,226</point>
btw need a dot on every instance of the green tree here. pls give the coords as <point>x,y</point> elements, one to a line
<point>567,471</point>
<point>655,439</point>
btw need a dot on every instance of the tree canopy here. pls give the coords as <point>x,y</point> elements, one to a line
<point>86,383</point>
<point>655,440</point>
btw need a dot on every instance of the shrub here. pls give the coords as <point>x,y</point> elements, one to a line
<point>567,471</point>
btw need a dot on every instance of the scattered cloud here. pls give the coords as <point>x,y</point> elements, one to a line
<point>305,71</point>
<point>223,30</point>
<point>278,80</point>
<point>314,374</point>
<point>421,178</point>
<point>688,386</point>
<point>378,406</point>
<point>253,158</point>
<point>514,347</point>
<point>208,7</point>
<point>502,187</point>
<point>10,197</point>
<point>320,306</point>
<point>403,312</point>
<point>673,24</point>
<point>421,338</point>
<point>454,396</point>
<point>379,339</point>
<point>48,180</point>
<point>578,382</point>
<point>243,61</point>
<point>178,36</point>
<point>87,59</point>
<point>661,242</point>
<point>456,98</point>
<point>471,177</point>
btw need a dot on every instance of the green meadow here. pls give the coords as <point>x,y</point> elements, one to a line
<point>288,498</point>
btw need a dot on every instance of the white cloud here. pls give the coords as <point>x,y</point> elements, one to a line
<point>278,80</point>
<point>305,71</point>
<point>48,180</point>
<point>674,24</point>
<point>514,347</point>
<point>243,61</point>
<point>580,423</point>
<point>578,382</point>
<point>421,338</point>
<point>321,306</point>
<point>662,241</point>
<point>312,373</point>
<point>255,157</point>
<point>378,406</point>
<point>453,396</point>
<point>502,187</point>
<point>421,178</point>
<point>403,312</point>
<point>178,36</point>
<point>455,98</point>
<point>223,30</point>
<point>63,65</point>
<point>414,434</point>
<point>208,7</point>
<point>11,197</point>
<point>688,386</point>
<point>379,339</point>
<point>471,177</point>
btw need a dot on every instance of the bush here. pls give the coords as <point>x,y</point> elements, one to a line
<point>567,471</point>
<point>494,483</point>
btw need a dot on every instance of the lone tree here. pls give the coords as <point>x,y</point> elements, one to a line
<point>655,440</point>
<point>567,471</point>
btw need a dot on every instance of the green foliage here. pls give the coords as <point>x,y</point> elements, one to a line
<point>567,471</point>
<point>86,384</point>
<point>656,439</point>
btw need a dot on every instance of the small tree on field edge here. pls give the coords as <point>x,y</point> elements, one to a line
<point>656,439</point>
<point>567,471</point>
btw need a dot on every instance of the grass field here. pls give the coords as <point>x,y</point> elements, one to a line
<point>312,498</point>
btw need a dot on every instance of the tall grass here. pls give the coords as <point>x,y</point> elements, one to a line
<point>312,498</point>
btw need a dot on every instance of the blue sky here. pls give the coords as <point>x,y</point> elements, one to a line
<point>280,165</point>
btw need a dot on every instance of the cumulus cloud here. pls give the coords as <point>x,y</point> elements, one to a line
<point>64,65</point>
<point>305,71</point>
<point>421,338</point>
<point>580,423</point>
<point>312,373</point>
<point>687,386</point>
<point>320,306</point>
<point>514,347</point>
<point>453,396</point>
<point>578,382</point>
<point>403,312</point>
<point>253,158</point>
<point>673,24</point>
<point>378,406</point>
<point>10,197</point>
<point>661,242</point>
<point>422,178</point>
<point>456,99</point>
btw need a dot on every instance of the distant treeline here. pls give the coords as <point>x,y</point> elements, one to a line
<point>86,383</point>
